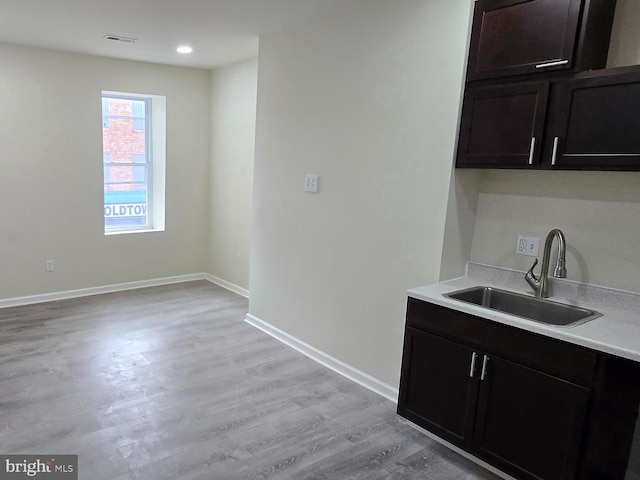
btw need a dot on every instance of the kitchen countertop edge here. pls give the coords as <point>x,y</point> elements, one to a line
<point>616,332</point>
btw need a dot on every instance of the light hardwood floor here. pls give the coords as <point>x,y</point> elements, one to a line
<point>170,383</point>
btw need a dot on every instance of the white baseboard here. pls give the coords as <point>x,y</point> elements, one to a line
<point>243,292</point>
<point>85,292</point>
<point>120,287</point>
<point>353,374</point>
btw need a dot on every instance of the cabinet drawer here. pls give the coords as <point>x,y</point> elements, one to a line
<point>548,355</point>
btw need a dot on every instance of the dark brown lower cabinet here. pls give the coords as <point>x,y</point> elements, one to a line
<point>529,423</point>
<point>534,407</point>
<point>439,365</point>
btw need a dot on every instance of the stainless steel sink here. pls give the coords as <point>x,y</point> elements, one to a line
<point>531,308</point>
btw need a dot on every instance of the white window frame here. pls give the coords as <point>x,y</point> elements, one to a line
<point>155,152</point>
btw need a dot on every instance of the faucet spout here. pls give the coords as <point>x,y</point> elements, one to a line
<point>541,285</point>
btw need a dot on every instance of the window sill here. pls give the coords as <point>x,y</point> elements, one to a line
<point>127,232</point>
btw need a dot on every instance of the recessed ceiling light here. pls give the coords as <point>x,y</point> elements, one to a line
<point>184,49</point>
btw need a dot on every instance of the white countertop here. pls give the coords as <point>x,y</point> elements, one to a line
<point>616,332</point>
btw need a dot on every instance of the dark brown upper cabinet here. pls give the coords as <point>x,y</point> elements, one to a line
<point>503,125</point>
<point>514,37</point>
<point>534,96</point>
<point>588,121</point>
<point>599,121</point>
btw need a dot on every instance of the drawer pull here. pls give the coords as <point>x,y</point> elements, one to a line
<point>532,150</point>
<point>552,63</point>
<point>554,155</point>
<point>474,356</point>
<point>484,368</point>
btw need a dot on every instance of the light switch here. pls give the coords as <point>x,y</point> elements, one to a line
<point>311,183</point>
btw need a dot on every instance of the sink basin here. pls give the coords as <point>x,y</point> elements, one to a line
<point>525,306</point>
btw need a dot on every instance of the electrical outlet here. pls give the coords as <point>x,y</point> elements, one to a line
<point>49,264</point>
<point>528,246</point>
<point>311,183</point>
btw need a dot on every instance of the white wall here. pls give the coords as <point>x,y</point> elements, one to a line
<point>51,172</point>
<point>597,211</point>
<point>624,48</point>
<point>365,95</point>
<point>461,219</point>
<point>233,118</point>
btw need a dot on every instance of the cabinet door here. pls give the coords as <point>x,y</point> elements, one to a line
<point>602,122</point>
<point>520,36</point>
<point>502,126</point>
<point>528,423</point>
<point>436,388</point>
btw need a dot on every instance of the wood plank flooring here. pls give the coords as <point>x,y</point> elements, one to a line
<point>170,383</point>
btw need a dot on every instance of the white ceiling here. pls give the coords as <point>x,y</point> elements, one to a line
<point>220,31</point>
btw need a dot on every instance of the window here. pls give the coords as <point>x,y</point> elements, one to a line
<point>138,113</point>
<point>133,162</point>
<point>105,113</point>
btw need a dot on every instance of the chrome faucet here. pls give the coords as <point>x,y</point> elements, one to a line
<point>541,285</point>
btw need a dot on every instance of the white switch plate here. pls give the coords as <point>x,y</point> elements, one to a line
<point>49,265</point>
<point>311,183</point>
<point>528,246</point>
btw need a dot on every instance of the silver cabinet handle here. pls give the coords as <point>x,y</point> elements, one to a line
<point>474,356</point>
<point>484,368</point>
<point>554,155</point>
<point>552,63</point>
<point>532,150</point>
